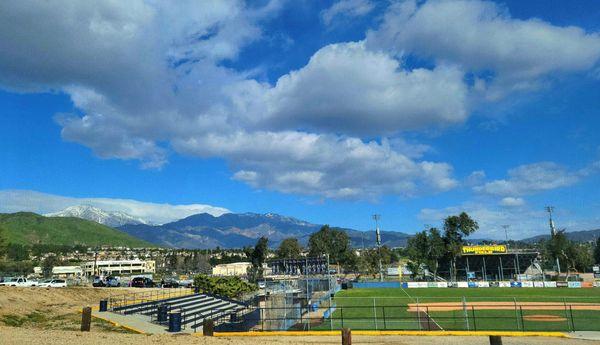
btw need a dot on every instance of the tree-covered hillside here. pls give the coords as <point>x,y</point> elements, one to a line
<point>30,228</point>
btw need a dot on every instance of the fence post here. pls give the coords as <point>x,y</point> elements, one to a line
<point>474,322</point>
<point>516,314</point>
<point>567,314</point>
<point>384,321</point>
<point>522,321</point>
<point>466,313</point>
<point>572,319</point>
<point>495,340</point>
<point>342,315</point>
<point>86,319</point>
<point>418,314</point>
<point>428,318</point>
<point>375,313</point>
<point>346,336</point>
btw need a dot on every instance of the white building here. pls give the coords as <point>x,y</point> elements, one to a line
<point>233,269</point>
<point>118,267</point>
<point>62,271</point>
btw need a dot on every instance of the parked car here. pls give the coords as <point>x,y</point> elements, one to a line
<point>54,283</point>
<point>98,282</point>
<point>112,282</point>
<point>170,283</point>
<point>19,281</point>
<point>142,282</point>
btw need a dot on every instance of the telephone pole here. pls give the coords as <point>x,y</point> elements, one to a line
<point>377,217</point>
<point>550,209</point>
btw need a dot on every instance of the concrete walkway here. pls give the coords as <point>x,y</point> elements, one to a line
<point>585,335</point>
<point>136,323</point>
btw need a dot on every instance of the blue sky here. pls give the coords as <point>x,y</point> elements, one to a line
<point>325,111</point>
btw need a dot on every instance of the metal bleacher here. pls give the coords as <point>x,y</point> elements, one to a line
<point>194,308</point>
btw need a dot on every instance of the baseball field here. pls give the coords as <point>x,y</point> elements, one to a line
<point>497,309</point>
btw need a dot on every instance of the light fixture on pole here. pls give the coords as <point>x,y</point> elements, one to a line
<point>550,209</point>
<point>377,217</point>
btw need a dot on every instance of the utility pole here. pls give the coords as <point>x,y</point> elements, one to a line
<point>550,209</point>
<point>377,217</point>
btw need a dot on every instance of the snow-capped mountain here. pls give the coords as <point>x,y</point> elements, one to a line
<point>109,218</point>
<point>236,230</point>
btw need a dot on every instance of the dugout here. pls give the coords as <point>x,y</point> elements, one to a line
<point>495,263</point>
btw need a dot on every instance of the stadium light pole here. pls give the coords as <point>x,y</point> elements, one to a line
<point>377,217</point>
<point>550,209</point>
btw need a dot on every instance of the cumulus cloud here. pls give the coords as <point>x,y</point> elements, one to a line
<point>523,221</point>
<point>314,164</point>
<point>512,202</point>
<point>42,203</point>
<point>148,79</point>
<point>531,178</point>
<point>348,9</point>
<point>345,87</point>
<point>505,53</point>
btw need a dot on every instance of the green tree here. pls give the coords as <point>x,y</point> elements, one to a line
<point>436,251</point>
<point>369,260</point>
<point>48,264</point>
<point>416,249</point>
<point>456,228</point>
<point>2,241</point>
<point>257,256</point>
<point>332,242</point>
<point>230,287</point>
<point>557,247</point>
<point>17,252</point>
<point>289,248</point>
<point>597,252</point>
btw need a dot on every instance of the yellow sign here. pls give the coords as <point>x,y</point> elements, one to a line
<point>484,250</point>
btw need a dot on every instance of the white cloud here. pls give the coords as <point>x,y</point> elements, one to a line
<point>346,88</point>
<point>531,178</point>
<point>327,165</point>
<point>347,8</point>
<point>42,203</point>
<point>512,202</point>
<point>523,221</point>
<point>148,78</point>
<point>481,36</point>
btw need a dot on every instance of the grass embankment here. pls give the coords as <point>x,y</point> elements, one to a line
<point>29,228</point>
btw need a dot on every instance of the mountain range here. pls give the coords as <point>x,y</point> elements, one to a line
<point>235,230</point>
<point>577,236</point>
<point>109,218</point>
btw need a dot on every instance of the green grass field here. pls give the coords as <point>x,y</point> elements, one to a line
<point>387,308</point>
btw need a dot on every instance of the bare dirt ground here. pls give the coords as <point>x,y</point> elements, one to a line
<point>52,308</point>
<point>451,306</point>
<point>14,336</point>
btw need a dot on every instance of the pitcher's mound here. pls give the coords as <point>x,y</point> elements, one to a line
<point>544,318</point>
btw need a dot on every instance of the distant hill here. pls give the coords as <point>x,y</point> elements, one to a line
<point>108,218</point>
<point>577,236</point>
<point>235,230</point>
<point>31,228</point>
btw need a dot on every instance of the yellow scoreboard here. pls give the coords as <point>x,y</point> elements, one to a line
<point>484,250</point>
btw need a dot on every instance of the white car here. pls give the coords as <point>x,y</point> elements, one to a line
<point>19,281</point>
<point>54,283</point>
